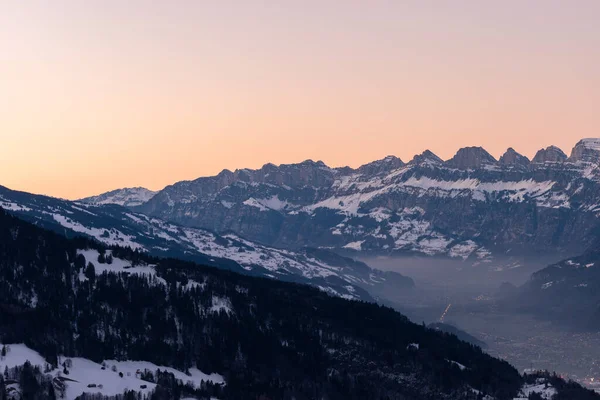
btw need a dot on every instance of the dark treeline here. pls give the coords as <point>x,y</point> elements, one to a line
<point>269,339</point>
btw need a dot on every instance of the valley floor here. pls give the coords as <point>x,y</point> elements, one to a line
<point>529,343</point>
<point>463,295</point>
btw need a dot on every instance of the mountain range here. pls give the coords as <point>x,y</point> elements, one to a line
<point>470,207</point>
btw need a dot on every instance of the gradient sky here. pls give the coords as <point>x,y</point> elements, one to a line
<point>97,95</point>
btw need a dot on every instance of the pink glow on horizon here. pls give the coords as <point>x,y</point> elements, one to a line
<point>98,95</point>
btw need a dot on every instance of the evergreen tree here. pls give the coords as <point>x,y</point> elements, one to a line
<point>80,262</point>
<point>90,272</point>
<point>30,386</point>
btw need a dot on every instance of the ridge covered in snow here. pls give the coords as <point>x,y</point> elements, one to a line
<point>114,225</point>
<point>128,197</point>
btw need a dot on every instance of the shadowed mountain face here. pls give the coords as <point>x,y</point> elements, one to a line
<point>514,159</point>
<point>471,157</point>
<point>567,292</point>
<point>551,154</point>
<point>470,207</point>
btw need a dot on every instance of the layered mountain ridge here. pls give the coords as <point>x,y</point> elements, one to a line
<point>471,207</point>
<point>117,225</point>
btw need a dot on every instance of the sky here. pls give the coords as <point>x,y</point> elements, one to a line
<point>101,94</point>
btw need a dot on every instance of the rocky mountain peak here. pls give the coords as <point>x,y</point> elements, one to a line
<point>586,150</point>
<point>427,157</point>
<point>511,157</point>
<point>308,172</point>
<point>549,154</point>
<point>312,163</point>
<point>471,157</point>
<point>386,164</point>
<point>269,167</point>
<point>225,177</point>
<point>128,197</point>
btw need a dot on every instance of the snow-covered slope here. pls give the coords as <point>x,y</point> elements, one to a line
<point>540,386</point>
<point>85,376</point>
<point>128,197</point>
<point>115,225</point>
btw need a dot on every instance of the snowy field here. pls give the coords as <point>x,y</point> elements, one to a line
<point>86,376</point>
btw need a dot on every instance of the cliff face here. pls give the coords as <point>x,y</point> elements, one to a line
<point>586,150</point>
<point>471,157</point>
<point>512,158</point>
<point>550,154</point>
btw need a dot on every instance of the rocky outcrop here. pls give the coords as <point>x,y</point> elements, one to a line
<point>387,164</point>
<point>426,158</point>
<point>512,158</point>
<point>470,158</point>
<point>586,150</point>
<point>551,154</point>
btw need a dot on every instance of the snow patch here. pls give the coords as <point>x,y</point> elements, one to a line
<point>83,373</point>
<point>459,365</point>
<point>117,266</point>
<point>221,304</point>
<point>12,206</point>
<point>541,387</point>
<point>272,203</point>
<point>355,245</point>
<point>252,202</point>
<point>547,285</point>
<point>107,236</point>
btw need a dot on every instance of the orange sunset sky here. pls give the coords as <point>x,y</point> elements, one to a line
<point>97,95</point>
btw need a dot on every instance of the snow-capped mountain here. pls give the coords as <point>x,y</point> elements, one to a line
<point>128,197</point>
<point>471,206</point>
<point>116,225</point>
